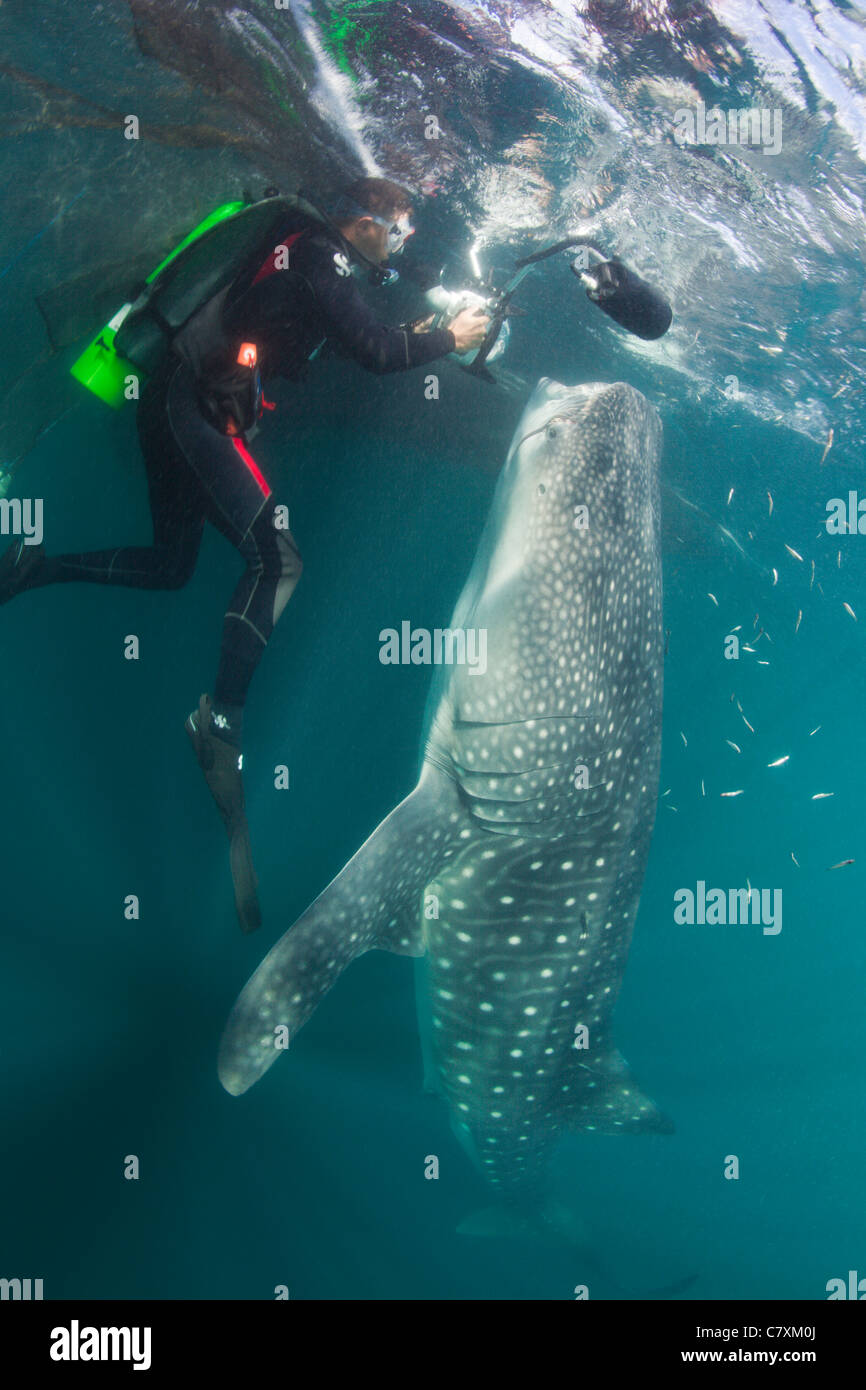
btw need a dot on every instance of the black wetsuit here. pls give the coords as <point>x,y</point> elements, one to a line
<point>197,473</point>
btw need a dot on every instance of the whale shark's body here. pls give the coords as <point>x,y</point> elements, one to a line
<point>515,867</point>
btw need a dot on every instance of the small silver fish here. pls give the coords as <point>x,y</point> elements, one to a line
<point>828,446</point>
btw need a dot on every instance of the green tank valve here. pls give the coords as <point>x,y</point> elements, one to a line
<point>101,370</point>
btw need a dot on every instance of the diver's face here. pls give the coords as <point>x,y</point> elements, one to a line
<point>370,238</point>
<point>376,236</point>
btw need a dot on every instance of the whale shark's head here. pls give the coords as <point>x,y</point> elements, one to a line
<point>585,459</point>
<point>567,579</point>
<point>579,489</point>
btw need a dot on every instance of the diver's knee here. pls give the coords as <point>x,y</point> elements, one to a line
<point>178,579</point>
<point>290,569</point>
<point>176,572</point>
<point>291,566</point>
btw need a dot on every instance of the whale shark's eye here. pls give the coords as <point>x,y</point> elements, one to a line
<point>541,489</point>
<point>554,427</point>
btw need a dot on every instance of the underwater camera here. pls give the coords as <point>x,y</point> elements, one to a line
<point>447,304</point>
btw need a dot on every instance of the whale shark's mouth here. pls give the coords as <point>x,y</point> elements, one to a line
<point>541,428</point>
<point>559,414</point>
<point>566,403</point>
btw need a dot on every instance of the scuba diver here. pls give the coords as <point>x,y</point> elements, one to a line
<point>194,418</point>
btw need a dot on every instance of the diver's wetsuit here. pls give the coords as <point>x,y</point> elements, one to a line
<point>196,473</point>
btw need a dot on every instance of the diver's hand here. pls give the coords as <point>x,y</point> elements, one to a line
<point>469,329</point>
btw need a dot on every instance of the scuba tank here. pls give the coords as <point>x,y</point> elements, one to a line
<point>180,308</point>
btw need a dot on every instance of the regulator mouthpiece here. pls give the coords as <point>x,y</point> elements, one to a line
<point>626,298</point>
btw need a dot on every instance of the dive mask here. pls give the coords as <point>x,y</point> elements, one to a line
<point>399,231</point>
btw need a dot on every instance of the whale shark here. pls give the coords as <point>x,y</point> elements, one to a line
<point>515,866</point>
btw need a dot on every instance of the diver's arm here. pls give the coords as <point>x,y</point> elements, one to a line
<point>351,324</point>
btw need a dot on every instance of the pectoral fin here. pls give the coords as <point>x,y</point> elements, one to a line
<point>374,903</point>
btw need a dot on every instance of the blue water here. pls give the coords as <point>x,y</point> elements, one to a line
<point>315,1178</point>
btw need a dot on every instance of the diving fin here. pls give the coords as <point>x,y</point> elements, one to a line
<point>17,566</point>
<point>245,881</point>
<point>221,764</point>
